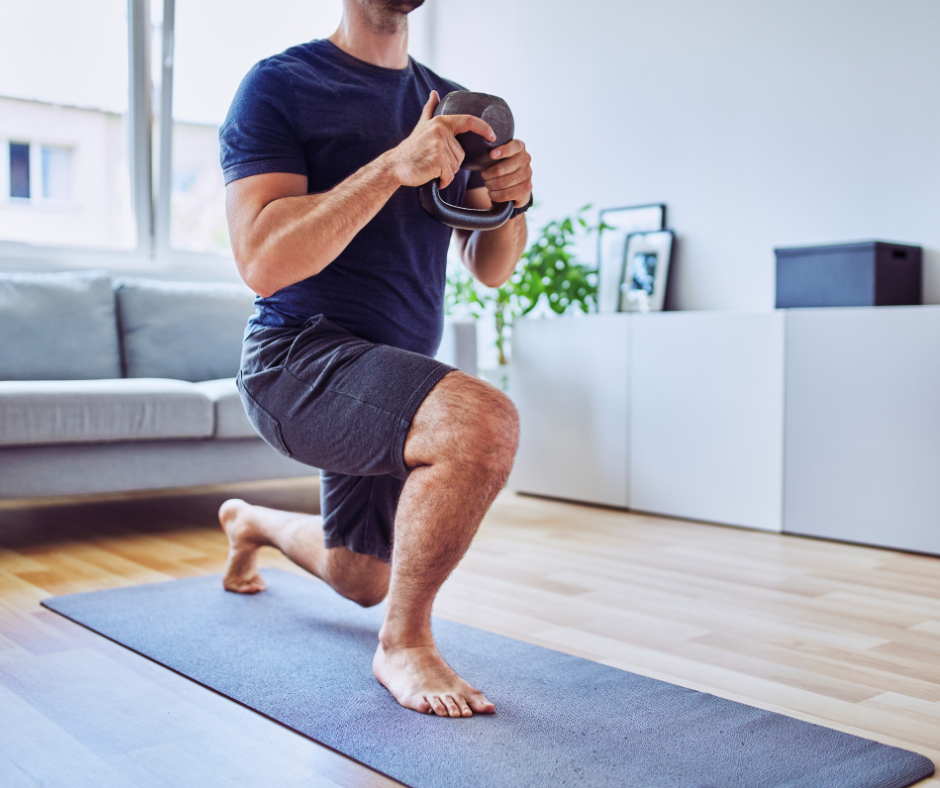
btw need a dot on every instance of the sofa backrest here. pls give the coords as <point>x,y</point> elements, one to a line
<point>58,326</point>
<point>182,330</point>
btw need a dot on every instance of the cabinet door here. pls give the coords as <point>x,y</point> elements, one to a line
<point>706,416</point>
<point>570,381</point>
<point>863,425</point>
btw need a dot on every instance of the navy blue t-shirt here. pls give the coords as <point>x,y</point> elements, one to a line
<point>315,110</point>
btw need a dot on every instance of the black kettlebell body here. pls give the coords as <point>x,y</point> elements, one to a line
<point>477,149</point>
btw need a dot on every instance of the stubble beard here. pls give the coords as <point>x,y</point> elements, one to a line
<point>388,17</point>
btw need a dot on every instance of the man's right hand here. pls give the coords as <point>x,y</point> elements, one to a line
<point>431,150</point>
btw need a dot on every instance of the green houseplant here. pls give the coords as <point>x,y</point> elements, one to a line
<point>548,276</point>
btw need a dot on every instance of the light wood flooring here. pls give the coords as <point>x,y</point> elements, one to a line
<point>840,635</point>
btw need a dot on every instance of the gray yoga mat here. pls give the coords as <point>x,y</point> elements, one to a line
<point>302,655</point>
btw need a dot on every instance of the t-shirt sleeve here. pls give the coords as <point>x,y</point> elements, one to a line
<point>260,133</point>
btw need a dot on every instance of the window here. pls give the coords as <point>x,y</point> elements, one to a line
<point>19,170</point>
<point>97,153</point>
<point>56,173</point>
<point>206,73</point>
<point>64,102</point>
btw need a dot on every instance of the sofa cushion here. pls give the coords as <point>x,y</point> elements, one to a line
<point>71,411</point>
<point>58,327</point>
<point>231,421</point>
<point>183,330</point>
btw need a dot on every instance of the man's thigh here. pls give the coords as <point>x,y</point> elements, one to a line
<point>333,400</point>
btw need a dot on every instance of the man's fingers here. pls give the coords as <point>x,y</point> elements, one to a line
<point>458,124</point>
<point>510,179</point>
<point>518,194</point>
<point>448,174</point>
<point>433,100</point>
<point>511,148</point>
<point>508,165</point>
<point>452,156</point>
<point>456,150</point>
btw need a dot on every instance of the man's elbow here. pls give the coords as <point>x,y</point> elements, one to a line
<point>264,292</point>
<point>493,281</point>
<point>265,275</point>
<point>254,273</point>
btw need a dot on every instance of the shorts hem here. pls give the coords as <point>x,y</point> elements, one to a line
<point>339,540</point>
<point>418,396</point>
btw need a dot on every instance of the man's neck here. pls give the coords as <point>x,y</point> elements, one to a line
<point>380,40</point>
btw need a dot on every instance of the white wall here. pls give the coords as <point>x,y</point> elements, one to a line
<point>760,124</point>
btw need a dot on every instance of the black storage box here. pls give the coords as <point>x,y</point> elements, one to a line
<point>871,273</point>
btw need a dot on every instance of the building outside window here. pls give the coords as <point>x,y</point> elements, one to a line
<point>207,72</point>
<point>64,98</point>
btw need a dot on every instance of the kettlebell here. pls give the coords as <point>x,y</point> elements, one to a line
<point>497,114</point>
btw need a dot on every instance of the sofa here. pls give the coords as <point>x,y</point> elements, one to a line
<point>122,384</point>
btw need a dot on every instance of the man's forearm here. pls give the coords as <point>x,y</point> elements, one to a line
<point>491,255</point>
<point>293,238</point>
<point>281,235</point>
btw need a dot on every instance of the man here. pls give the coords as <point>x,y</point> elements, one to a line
<point>322,155</point>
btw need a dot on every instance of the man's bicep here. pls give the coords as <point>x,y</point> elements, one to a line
<point>246,198</point>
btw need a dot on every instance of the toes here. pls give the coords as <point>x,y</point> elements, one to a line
<point>452,708</point>
<point>481,705</point>
<point>423,707</point>
<point>438,706</point>
<point>246,587</point>
<point>464,708</point>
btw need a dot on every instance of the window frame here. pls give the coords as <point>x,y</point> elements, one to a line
<point>151,208</point>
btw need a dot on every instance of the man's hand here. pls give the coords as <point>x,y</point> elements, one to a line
<point>491,256</point>
<point>431,150</point>
<point>511,177</point>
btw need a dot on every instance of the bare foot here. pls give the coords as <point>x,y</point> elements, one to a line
<point>419,679</point>
<point>244,540</point>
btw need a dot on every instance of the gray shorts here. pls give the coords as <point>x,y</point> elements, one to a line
<point>344,405</point>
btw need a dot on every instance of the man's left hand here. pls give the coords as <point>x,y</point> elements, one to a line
<point>510,176</point>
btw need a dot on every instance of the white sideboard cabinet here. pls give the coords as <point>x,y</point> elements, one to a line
<point>570,382</point>
<point>706,416</point>
<point>863,425</point>
<point>820,422</point>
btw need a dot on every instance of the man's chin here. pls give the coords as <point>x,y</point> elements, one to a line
<point>397,6</point>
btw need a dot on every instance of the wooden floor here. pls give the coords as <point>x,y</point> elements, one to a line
<point>844,636</point>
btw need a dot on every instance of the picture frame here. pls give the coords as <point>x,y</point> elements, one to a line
<point>646,271</point>
<point>612,243</point>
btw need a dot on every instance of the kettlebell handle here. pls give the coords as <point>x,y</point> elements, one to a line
<point>477,149</point>
<point>460,218</point>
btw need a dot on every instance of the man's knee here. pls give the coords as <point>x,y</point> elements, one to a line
<point>493,440</point>
<point>468,422</point>
<point>486,429</point>
<point>362,579</point>
<point>366,597</point>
